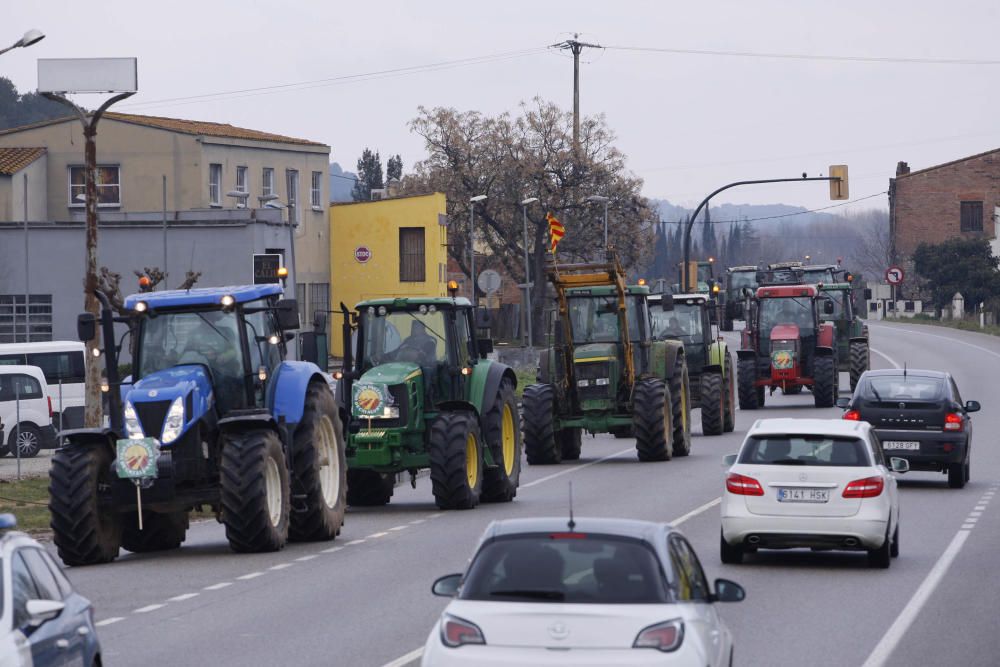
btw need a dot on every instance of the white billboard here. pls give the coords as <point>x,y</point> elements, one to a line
<point>87,75</point>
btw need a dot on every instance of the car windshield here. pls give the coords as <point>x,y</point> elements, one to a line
<point>788,310</point>
<point>804,450</point>
<point>900,388</point>
<point>566,567</point>
<point>201,337</point>
<point>742,279</point>
<point>594,319</point>
<point>403,335</point>
<point>683,322</point>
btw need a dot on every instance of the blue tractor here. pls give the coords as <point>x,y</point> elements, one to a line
<point>232,427</point>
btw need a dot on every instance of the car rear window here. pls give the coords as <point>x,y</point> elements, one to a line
<point>899,388</point>
<point>805,450</point>
<point>566,567</point>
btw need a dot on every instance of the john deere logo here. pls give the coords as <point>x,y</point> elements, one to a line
<point>782,359</point>
<point>137,458</point>
<point>369,399</point>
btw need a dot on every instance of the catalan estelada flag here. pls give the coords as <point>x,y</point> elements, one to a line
<point>556,231</point>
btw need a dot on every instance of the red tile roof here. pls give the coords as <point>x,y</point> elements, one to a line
<point>13,160</point>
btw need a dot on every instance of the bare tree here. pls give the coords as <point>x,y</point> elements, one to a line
<point>874,254</point>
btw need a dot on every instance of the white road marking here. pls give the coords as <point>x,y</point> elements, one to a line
<point>980,508</point>
<point>376,535</point>
<point>252,575</point>
<point>181,598</point>
<point>971,520</point>
<point>399,528</point>
<point>566,471</point>
<point>331,550</point>
<point>353,542</point>
<point>303,559</point>
<point>975,513</point>
<point>695,512</point>
<point>148,608</point>
<point>215,587</point>
<point>886,357</point>
<point>282,566</point>
<point>947,338</point>
<point>417,521</point>
<point>968,526</point>
<point>405,659</point>
<point>883,650</point>
<point>109,621</point>
<point>435,516</point>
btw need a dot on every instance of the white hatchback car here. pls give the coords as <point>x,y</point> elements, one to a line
<point>597,592</point>
<point>25,385</point>
<point>817,483</point>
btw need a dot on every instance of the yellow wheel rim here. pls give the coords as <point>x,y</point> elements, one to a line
<point>508,440</point>
<point>471,460</point>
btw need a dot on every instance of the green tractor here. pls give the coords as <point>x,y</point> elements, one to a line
<point>853,354</point>
<point>740,280</point>
<point>604,373</point>
<point>710,365</point>
<point>418,392</point>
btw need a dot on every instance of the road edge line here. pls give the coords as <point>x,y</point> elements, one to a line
<point>406,659</point>
<point>566,471</point>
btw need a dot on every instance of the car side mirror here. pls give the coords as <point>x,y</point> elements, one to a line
<point>666,303</point>
<point>287,311</point>
<point>828,307</point>
<point>843,402</point>
<point>729,459</point>
<point>728,591</point>
<point>899,465</point>
<point>484,346</point>
<point>447,586</point>
<point>86,327</point>
<point>40,611</point>
<point>972,406</point>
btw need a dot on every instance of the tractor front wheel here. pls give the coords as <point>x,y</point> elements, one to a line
<point>456,453</point>
<point>652,419</point>
<point>368,488</point>
<point>860,361</point>
<point>751,397</point>
<point>713,405</point>
<point>825,382</point>
<point>680,407</point>
<point>160,532</point>
<point>255,491</point>
<point>570,442</point>
<point>84,532</point>
<point>729,390</point>
<point>539,438</point>
<point>503,436</point>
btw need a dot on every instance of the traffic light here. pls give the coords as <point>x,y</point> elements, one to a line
<point>838,186</point>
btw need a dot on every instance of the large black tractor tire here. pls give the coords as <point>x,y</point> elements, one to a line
<point>540,444</point>
<point>570,442</point>
<point>29,442</point>
<point>319,469</point>
<point>652,419</point>
<point>503,437</point>
<point>255,491</point>
<point>825,382</point>
<point>729,390</point>
<point>713,406</point>
<point>727,323</point>
<point>750,396</point>
<point>368,488</point>
<point>860,361</point>
<point>160,532</point>
<point>456,453</point>
<point>83,533</point>
<point>680,407</point>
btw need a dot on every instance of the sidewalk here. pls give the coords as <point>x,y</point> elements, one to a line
<point>35,467</point>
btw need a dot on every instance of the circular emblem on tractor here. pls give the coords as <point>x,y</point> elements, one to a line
<point>782,359</point>
<point>362,253</point>
<point>136,458</point>
<point>369,399</point>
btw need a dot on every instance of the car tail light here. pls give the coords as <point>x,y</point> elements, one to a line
<point>953,422</point>
<point>741,485</point>
<point>457,632</point>
<point>852,415</point>
<point>666,636</point>
<point>869,487</point>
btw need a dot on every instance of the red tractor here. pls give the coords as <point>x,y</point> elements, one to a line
<point>787,345</point>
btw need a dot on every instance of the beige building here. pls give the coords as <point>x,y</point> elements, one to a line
<point>205,166</point>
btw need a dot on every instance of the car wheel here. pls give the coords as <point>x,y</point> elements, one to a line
<point>956,475</point>
<point>882,556</point>
<point>968,470</point>
<point>731,554</point>
<point>894,547</point>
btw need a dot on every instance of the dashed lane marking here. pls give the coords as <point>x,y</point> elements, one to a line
<point>353,542</point>
<point>417,522</point>
<point>567,471</point>
<point>148,608</point>
<point>331,550</point>
<point>181,598</point>
<point>695,512</point>
<point>280,566</point>
<point>252,575</point>
<point>303,559</point>
<point>405,659</point>
<point>215,587</point>
<point>885,356</point>
<point>399,528</point>
<point>376,535</point>
<point>109,621</point>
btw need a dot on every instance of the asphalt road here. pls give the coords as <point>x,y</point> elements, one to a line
<point>364,599</point>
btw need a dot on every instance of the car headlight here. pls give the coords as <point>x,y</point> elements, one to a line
<point>133,429</point>
<point>174,422</point>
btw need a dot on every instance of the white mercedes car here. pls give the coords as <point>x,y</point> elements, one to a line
<point>594,592</point>
<point>814,483</point>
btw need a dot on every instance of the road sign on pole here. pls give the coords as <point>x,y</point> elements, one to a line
<point>489,281</point>
<point>894,275</point>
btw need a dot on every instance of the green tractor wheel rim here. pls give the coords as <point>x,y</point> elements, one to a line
<point>329,462</point>
<point>272,491</point>
<point>508,439</point>
<point>471,460</point>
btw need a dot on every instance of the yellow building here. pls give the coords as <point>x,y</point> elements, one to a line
<point>386,248</point>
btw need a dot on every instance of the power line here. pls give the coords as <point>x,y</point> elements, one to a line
<point>776,217</point>
<point>807,56</point>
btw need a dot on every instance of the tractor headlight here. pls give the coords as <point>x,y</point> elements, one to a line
<point>583,383</point>
<point>602,382</point>
<point>174,422</point>
<point>390,412</point>
<point>133,429</point>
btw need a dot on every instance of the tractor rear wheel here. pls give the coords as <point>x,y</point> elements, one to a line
<point>539,438</point>
<point>729,389</point>
<point>621,432</point>
<point>750,396</point>
<point>84,532</point>
<point>727,323</point>
<point>255,491</point>
<point>825,382</point>
<point>503,436</point>
<point>160,532</point>
<point>713,406</point>
<point>456,453</point>
<point>680,407</point>
<point>860,361</point>
<point>570,442</point>
<point>652,420</point>
<point>368,488</point>
<point>319,468</point>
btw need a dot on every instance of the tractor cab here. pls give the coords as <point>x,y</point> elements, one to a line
<point>687,320</point>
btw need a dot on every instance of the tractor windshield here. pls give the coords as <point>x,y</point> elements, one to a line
<point>704,273</point>
<point>788,310</point>
<point>839,310</point>
<point>404,335</point>
<point>594,319</point>
<point>741,279</point>
<point>683,322</point>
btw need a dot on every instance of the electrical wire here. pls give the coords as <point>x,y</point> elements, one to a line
<point>777,217</point>
<point>807,56</point>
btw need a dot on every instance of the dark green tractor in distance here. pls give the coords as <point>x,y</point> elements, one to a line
<point>604,373</point>
<point>419,392</point>
<point>741,281</point>
<point>710,365</point>
<point>853,354</point>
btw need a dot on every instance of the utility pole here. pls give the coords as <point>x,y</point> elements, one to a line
<point>576,47</point>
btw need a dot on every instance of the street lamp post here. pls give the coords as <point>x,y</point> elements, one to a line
<point>602,198</point>
<point>527,272</point>
<point>28,39</point>
<point>472,244</point>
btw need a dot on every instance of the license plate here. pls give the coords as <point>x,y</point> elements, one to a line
<point>803,495</point>
<point>900,444</point>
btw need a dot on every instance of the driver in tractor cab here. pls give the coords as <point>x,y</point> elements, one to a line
<point>421,342</point>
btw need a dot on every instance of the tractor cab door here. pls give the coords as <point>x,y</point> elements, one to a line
<point>265,347</point>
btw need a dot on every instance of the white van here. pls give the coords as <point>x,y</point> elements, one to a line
<point>25,385</point>
<point>62,362</point>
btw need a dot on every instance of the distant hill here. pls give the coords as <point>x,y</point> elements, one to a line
<point>341,183</point>
<point>751,212</point>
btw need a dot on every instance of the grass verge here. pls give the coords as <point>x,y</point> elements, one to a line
<point>28,500</point>
<point>524,378</point>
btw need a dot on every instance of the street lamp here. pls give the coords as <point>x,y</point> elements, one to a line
<point>29,38</point>
<point>527,273</point>
<point>472,243</point>
<point>240,197</point>
<point>602,198</point>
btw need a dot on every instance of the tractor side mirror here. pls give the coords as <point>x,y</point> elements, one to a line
<point>484,320</point>
<point>667,303</point>
<point>319,321</point>
<point>868,294</point>
<point>86,327</point>
<point>484,346</point>
<point>828,307</point>
<point>288,314</point>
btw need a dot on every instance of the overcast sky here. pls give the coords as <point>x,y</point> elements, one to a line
<point>689,123</point>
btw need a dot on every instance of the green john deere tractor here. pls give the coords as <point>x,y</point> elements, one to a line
<point>604,373</point>
<point>853,354</point>
<point>710,365</point>
<point>418,392</point>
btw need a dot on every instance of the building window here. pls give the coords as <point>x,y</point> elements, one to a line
<point>267,181</point>
<point>315,194</point>
<point>972,216</point>
<point>109,189</point>
<point>411,255</point>
<point>292,177</point>
<point>18,326</point>
<point>241,180</point>
<point>319,300</point>
<point>215,185</point>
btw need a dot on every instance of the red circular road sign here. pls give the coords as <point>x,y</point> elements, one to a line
<point>894,275</point>
<point>362,254</point>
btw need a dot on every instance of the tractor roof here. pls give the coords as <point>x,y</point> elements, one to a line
<point>202,296</point>
<point>689,298</point>
<point>783,291</point>
<point>837,287</point>
<point>606,290</point>
<point>403,302</point>
<point>741,269</point>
